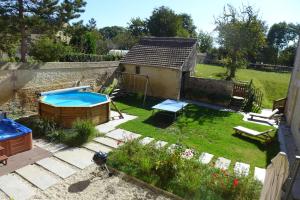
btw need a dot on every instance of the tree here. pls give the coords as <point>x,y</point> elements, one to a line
<point>163,22</point>
<point>241,34</point>
<point>137,27</point>
<point>92,24</point>
<point>26,16</point>
<point>109,32</point>
<point>187,24</point>
<point>205,41</point>
<point>124,40</point>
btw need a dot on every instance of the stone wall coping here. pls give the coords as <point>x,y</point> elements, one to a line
<point>56,65</point>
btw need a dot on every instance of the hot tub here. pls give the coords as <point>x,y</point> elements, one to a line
<point>14,137</point>
<point>67,105</point>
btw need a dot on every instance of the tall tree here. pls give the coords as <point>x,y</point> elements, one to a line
<point>27,16</point>
<point>205,41</point>
<point>241,34</point>
<point>188,24</point>
<point>109,32</point>
<point>137,27</point>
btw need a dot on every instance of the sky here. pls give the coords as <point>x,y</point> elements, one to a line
<point>203,12</point>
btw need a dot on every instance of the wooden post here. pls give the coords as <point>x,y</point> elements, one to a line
<point>145,93</point>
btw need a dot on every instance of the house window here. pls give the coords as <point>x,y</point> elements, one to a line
<point>137,69</point>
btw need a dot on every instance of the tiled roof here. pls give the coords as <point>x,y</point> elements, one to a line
<point>160,52</point>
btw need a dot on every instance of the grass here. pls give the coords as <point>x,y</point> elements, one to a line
<point>206,131</point>
<point>273,85</point>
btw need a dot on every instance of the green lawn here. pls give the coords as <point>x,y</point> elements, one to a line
<point>206,131</point>
<point>273,85</point>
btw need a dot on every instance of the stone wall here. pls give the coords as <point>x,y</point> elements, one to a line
<point>208,90</point>
<point>20,82</point>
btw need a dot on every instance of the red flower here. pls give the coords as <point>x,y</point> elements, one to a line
<point>235,182</point>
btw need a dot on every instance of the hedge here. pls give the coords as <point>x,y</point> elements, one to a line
<point>80,57</point>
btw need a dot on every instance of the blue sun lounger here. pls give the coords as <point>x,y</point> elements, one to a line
<point>169,105</point>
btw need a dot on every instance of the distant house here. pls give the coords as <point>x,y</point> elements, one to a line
<point>292,111</point>
<point>166,61</point>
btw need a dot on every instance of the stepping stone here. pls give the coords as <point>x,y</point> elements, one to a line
<point>108,142</point>
<point>222,163</point>
<point>38,176</point>
<point>160,144</point>
<point>40,142</point>
<point>259,174</point>
<point>241,169</point>
<point>57,167</point>
<point>78,157</point>
<point>172,148</point>
<point>15,187</point>
<point>52,147</point>
<point>96,147</point>
<point>122,135</point>
<point>146,140</point>
<point>187,154</point>
<point>205,158</point>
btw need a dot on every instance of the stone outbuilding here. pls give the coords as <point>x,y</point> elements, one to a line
<point>160,66</point>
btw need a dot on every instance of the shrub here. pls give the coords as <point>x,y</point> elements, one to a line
<point>186,178</point>
<point>48,50</point>
<point>80,57</point>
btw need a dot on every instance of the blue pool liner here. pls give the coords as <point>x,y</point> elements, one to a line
<point>10,129</point>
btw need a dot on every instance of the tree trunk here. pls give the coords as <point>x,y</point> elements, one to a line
<point>22,30</point>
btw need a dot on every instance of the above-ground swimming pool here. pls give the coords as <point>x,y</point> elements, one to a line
<point>14,137</point>
<point>67,105</point>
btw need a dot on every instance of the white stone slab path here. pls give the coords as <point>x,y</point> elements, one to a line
<point>259,174</point>
<point>241,169</point>
<point>78,157</point>
<point>160,144</point>
<point>16,187</point>
<point>38,176</point>
<point>146,140</point>
<point>57,167</point>
<point>222,163</point>
<point>96,147</point>
<point>108,142</point>
<point>205,158</point>
<point>52,147</point>
<point>122,135</point>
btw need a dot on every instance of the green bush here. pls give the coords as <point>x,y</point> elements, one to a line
<point>80,57</point>
<point>186,178</point>
<point>48,50</point>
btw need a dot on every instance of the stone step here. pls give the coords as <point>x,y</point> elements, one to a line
<point>205,158</point>
<point>16,187</point>
<point>78,157</point>
<point>38,176</point>
<point>146,140</point>
<point>241,169</point>
<point>259,174</point>
<point>222,163</point>
<point>96,147</point>
<point>122,135</point>
<point>108,142</point>
<point>160,144</point>
<point>57,167</point>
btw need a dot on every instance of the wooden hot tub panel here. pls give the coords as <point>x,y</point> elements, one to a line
<point>17,145</point>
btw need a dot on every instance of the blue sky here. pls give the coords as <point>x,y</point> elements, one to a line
<point>119,12</point>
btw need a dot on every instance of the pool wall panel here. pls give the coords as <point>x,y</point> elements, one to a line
<point>17,145</point>
<point>66,116</point>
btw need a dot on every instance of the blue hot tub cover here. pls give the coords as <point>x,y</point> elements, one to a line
<point>10,129</point>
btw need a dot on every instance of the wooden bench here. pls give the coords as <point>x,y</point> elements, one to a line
<point>262,135</point>
<point>3,158</point>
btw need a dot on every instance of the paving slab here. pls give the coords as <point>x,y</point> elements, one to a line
<point>57,167</point>
<point>222,163</point>
<point>15,187</point>
<point>79,157</point>
<point>205,158</point>
<point>160,144</point>
<point>96,147</point>
<point>146,140</point>
<point>122,135</point>
<point>38,176</point>
<point>259,174</point>
<point>40,142</point>
<point>108,142</point>
<point>49,146</point>
<point>241,169</point>
<point>112,124</point>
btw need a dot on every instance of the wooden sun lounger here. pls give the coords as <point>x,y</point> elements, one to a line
<point>270,116</point>
<point>262,135</point>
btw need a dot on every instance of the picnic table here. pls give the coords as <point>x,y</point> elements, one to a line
<point>169,105</point>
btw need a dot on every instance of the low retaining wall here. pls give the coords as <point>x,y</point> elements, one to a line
<point>209,90</point>
<point>22,81</point>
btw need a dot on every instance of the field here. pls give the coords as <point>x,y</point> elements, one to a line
<point>273,85</point>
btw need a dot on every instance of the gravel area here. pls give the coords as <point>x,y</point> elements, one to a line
<point>93,184</point>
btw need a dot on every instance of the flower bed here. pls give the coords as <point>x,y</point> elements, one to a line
<point>186,178</point>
